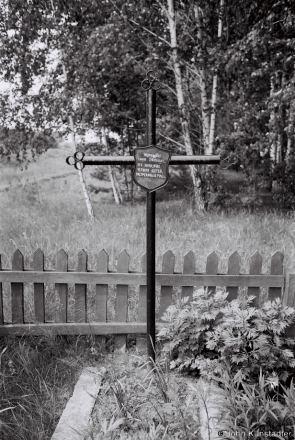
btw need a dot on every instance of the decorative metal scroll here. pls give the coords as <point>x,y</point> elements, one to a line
<point>151,82</point>
<point>76,160</point>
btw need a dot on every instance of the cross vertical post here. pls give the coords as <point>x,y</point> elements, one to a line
<point>151,232</point>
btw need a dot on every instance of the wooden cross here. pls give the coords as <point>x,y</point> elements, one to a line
<point>150,173</point>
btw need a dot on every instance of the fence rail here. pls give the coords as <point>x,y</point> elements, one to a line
<point>274,283</point>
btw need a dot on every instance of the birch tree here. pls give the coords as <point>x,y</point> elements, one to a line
<point>75,149</point>
<point>81,175</point>
<point>214,87</point>
<point>183,42</point>
<point>208,105</point>
<point>112,175</point>
<point>182,107</point>
<point>74,143</point>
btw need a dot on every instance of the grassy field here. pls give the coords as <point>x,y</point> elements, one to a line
<point>55,217</point>
<point>42,207</point>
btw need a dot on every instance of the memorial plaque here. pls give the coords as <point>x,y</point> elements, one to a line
<point>151,167</point>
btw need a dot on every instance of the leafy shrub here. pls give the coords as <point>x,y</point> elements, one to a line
<point>248,411</point>
<point>210,334</point>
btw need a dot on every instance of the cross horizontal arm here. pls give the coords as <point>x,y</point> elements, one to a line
<point>129,160</point>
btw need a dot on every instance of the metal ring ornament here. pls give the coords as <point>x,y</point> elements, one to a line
<point>228,158</point>
<point>76,160</point>
<point>151,82</point>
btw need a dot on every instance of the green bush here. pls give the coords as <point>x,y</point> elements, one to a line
<point>210,334</point>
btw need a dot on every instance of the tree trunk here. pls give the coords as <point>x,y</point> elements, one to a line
<point>290,132</point>
<point>116,197</point>
<point>203,84</point>
<point>208,120</point>
<point>117,186</point>
<point>80,172</point>
<point>214,87</point>
<point>81,176</point>
<point>112,175</point>
<point>184,116</point>
<point>272,137</point>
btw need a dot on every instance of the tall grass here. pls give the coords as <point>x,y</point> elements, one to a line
<point>36,382</point>
<point>31,219</point>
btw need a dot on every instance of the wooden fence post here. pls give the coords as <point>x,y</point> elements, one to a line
<point>1,300</point>
<point>255,269</point>
<point>39,299</point>
<point>61,288</point>
<point>101,296</point>
<point>141,339</point>
<point>289,298</point>
<point>122,300</point>
<point>166,291</point>
<point>233,269</point>
<point>81,298</point>
<point>211,269</point>
<point>17,290</point>
<point>189,267</point>
<point>276,268</point>
<point>81,289</point>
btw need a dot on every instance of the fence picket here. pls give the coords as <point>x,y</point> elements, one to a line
<point>290,301</point>
<point>187,280</point>
<point>166,291</point>
<point>39,298</point>
<point>189,265</point>
<point>233,269</point>
<point>276,268</point>
<point>1,300</point>
<point>101,297</point>
<point>81,289</point>
<point>61,288</point>
<point>212,268</point>
<point>141,339</point>
<point>122,300</point>
<point>255,269</point>
<point>17,290</point>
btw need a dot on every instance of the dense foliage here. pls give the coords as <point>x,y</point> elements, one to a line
<point>249,410</point>
<point>210,335</point>
<point>87,61</point>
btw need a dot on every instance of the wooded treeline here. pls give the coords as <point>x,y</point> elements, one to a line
<point>227,69</point>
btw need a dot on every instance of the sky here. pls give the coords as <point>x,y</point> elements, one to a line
<point>90,136</point>
<point>3,86</point>
<point>52,62</point>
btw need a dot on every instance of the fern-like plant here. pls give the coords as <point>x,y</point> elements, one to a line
<point>210,334</point>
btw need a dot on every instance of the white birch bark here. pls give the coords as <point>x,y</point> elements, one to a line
<point>117,201</point>
<point>272,135</point>
<point>280,136</point>
<point>110,169</point>
<point>202,84</point>
<point>117,187</point>
<point>196,179</point>
<point>80,174</point>
<point>290,131</point>
<point>214,87</point>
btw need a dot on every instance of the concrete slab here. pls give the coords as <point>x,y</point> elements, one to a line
<point>76,417</point>
<point>210,410</point>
